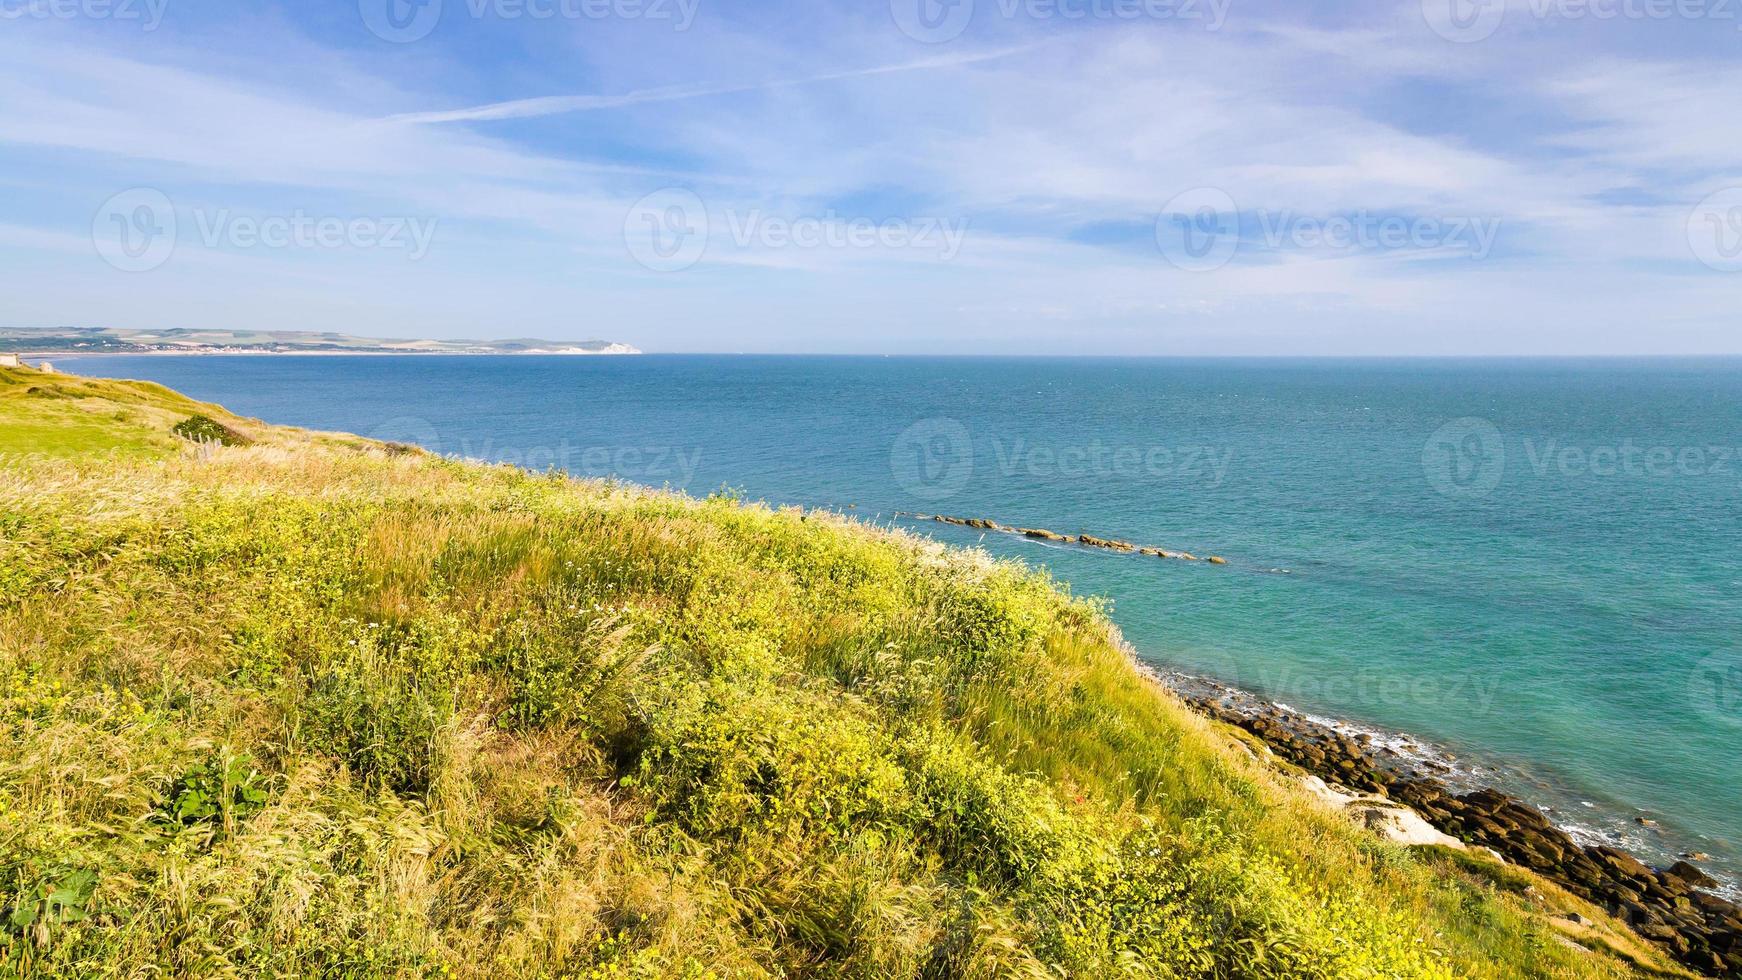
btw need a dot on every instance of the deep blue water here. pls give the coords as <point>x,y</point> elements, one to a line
<point>1536,564</point>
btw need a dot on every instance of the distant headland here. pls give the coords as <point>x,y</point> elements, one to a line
<point>105,340</point>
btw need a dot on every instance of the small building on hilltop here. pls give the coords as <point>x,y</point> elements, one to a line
<point>10,360</point>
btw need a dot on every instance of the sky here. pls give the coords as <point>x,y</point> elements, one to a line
<point>1126,177</point>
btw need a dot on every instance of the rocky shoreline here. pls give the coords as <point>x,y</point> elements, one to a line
<point>1668,906</point>
<point>1397,795</point>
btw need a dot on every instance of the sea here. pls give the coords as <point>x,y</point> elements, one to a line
<point>1528,569</point>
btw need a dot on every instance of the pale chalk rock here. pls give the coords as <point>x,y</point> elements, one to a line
<point>1387,818</point>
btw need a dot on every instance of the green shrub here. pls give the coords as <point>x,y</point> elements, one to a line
<point>203,428</point>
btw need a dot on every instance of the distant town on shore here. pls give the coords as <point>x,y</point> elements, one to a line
<point>105,340</point>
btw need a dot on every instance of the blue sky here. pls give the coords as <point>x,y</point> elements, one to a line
<point>998,176</point>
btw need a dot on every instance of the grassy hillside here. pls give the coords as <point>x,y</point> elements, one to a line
<point>315,706</point>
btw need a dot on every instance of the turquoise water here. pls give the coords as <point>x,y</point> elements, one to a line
<point>1534,564</point>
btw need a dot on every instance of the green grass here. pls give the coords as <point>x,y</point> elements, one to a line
<point>60,415</point>
<point>314,707</point>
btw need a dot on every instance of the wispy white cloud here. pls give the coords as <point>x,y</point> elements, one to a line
<point>551,105</point>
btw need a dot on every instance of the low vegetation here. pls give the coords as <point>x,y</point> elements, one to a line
<point>312,707</point>
<point>205,429</point>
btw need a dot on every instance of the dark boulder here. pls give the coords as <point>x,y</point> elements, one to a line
<point>1686,872</point>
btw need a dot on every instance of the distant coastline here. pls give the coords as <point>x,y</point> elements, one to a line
<point>310,352</point>
<point>94,341</point>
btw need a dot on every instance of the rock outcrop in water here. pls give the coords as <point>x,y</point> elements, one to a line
<point>1042,534</point>
<point>1667,907</point>
<point>1093,542</point>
